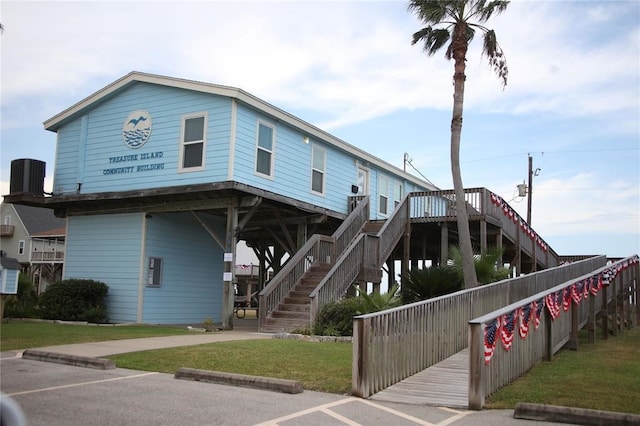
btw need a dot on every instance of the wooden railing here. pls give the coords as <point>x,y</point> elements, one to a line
<point>393,228</point>
<point>580,301</point>
<point>482,205</point>
<point>392,345</point>
<point>365,253</point>
<point>318,249</point>
<point>47,256</point>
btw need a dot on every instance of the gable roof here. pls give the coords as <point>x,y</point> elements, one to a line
<point>9,262</point>
<point>37,219</point>
<point>71,113</point>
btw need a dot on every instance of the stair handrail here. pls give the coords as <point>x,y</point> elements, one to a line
<point>318,249</point>
<point>348,265</point>
<point>393,228</point>
<point>352,225</point>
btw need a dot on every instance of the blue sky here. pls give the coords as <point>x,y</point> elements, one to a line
<point>572,101</point>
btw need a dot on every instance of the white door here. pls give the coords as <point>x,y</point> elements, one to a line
<point>363,181</point>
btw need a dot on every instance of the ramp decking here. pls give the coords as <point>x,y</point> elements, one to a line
<point>445,384</point>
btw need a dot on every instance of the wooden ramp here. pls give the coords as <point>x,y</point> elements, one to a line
<point>445,384</point>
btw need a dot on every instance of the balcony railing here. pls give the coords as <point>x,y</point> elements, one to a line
<point>47,256</point>
<point>6,230</point>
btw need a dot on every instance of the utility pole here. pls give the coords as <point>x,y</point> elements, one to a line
<point>530,190</point>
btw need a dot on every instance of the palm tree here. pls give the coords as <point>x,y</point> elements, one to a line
<point>449,22</point>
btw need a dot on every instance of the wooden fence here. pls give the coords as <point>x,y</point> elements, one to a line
<point>392,345</point>
<point>534,328</point>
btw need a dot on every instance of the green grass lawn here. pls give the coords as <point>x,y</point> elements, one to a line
<point>24,335</point>
<point>601,376</point>
<point>323,367</point>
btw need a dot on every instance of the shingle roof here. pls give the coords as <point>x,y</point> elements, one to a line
<point>38,219</point>
<point>9,263</point>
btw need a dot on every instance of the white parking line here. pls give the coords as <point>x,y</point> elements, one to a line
<point>326,409</point>
<point>81,384</point>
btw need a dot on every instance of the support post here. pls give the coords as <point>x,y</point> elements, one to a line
<point>591,320</point>
<point>227,285</point>
<point>476,366</point>
<point>548,328</point>
<point>359,365</point>
<point>604,314</point>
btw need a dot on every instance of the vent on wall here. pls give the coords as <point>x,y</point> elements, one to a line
<point>27,177</point>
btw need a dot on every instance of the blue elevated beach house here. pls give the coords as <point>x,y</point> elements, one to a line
<point>159,178</point>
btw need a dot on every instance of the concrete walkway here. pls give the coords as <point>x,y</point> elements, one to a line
<point>113,347</point>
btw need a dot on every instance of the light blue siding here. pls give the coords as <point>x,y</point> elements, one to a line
<point>107,248</point>
<point>104,141</point>
<point>192,268</point>
<point>9,278</point>
<point>96,137</point>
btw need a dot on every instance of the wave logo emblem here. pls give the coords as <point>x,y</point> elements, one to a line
<point>136,129</point>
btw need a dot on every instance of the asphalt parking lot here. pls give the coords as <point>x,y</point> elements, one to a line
<point>62,395</point>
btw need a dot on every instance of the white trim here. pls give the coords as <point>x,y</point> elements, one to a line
<point>324,168</point>
<point>190,116</point>
<point>141,277</point>
<point>54,123</point>
<point>232,139</point>
<point>272,151</point>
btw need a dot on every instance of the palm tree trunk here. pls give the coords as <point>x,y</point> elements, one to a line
<point>464,234</point>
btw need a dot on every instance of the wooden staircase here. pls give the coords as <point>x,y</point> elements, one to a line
<point>294,310</point>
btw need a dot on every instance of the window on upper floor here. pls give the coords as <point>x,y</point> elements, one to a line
<point>383,192</point>
<point>318,163</point>
<point>397,193</point>
<point>193,142</point>
<point>21,247</point>
<point>264,149</point>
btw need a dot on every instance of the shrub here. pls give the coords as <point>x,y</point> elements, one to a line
<point>422,284</point>
<point>336,318</point>
<point>75,300</point>
<point>24,304</point>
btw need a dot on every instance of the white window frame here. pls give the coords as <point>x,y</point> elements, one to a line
<point>397,193</point>
<point>317,149</point>
<point>383,195</point>
<point>259,148</point>
<point>21,246</point>
<point>203,141</point>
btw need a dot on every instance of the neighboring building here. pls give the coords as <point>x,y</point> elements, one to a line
<point>35,238</point>
<point>159,178</point>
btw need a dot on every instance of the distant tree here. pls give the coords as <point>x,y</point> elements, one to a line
<point>453,23</point>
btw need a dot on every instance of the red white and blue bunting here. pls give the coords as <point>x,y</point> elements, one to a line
<point>505,326</point>
<point>515,218</point>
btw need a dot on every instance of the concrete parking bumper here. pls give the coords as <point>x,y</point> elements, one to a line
<point>234,379</point>
<point>78,361</point>
<point>577,416</point>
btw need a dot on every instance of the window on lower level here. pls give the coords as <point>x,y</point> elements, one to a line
<point>155,272</point>
<point>193,142</point>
